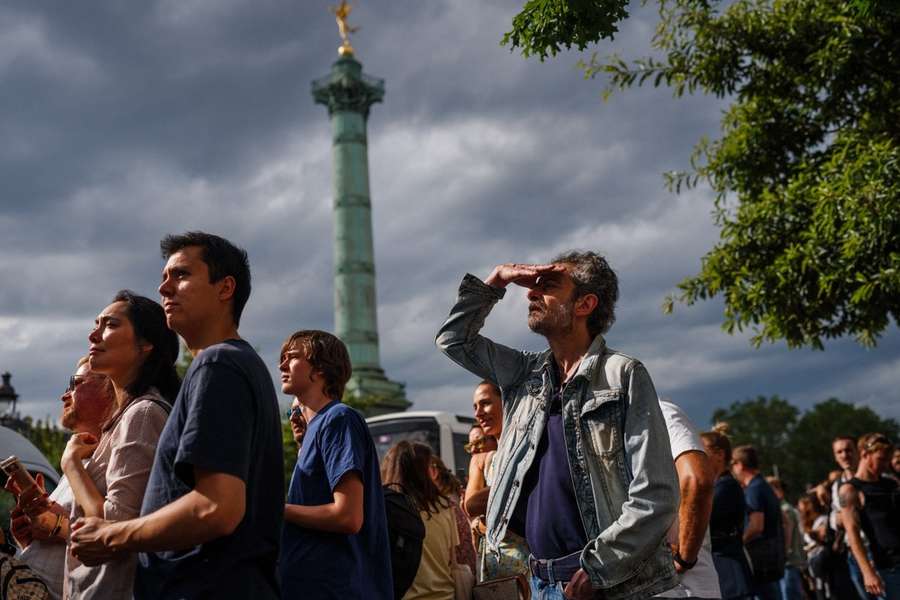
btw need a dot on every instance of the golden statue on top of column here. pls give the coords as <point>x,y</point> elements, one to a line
<point>341,12</point>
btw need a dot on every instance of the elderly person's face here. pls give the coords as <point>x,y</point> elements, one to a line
<point>87,401</point>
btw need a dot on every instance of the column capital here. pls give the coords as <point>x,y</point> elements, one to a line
<point>347,88</point>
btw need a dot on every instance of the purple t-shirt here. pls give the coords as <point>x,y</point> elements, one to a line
<point>553,526</point>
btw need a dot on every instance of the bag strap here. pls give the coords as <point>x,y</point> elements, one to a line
<point>159,401</point>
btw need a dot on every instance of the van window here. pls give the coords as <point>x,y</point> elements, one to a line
<point>387,434</point>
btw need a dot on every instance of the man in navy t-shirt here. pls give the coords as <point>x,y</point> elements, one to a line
<point>335,541</point>
<point>212,509</point>
<point>763,519</point>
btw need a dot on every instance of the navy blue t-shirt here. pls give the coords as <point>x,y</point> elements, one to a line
<point>760,498</point>
<point>225,420</point>
<point>323,565</point>
<point>553,526</point>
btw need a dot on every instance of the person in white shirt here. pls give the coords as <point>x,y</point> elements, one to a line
<point>689,535</point>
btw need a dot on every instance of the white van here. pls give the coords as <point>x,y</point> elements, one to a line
<point>444,432</point>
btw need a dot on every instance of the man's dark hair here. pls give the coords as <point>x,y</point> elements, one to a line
<point>844,438</point>
<point>747,456</point>
<point>593,275</point>
<point>327,354</point>
<point>222,258</point>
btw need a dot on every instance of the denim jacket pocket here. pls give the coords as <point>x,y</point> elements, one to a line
<point>601,420</point>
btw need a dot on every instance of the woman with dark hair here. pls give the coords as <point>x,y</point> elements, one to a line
<point>132,345</point>
<point>726,523</point>
<point>408,465</point>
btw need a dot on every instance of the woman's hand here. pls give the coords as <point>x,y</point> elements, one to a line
<point>79,447</point>
<point>33,500</point>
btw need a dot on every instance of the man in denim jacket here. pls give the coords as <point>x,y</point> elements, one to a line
<point>584,467</point>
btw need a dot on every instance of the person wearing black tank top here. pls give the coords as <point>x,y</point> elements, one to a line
<point>870,502</point>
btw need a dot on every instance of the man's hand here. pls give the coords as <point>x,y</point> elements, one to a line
<point>872,581</point>
<point>674,549</point>
<point>524,275</point>
<point>92,540</point>
<point>579,588</point>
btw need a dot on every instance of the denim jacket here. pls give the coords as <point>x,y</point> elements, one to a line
<point>621,464</point>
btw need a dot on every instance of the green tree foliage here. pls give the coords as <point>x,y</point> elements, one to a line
<point>544,27</point>
<point>807,168</point>
<point>766,423</point>
<point>290,452</point>
<point>799,444</point>
<point>185,358</point>
<point>811,438</point>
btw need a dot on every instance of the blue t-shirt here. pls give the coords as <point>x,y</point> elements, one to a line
<point>225,420</point>
<point>322,565</point>
<point>760,498</point>
<point>553,526</point>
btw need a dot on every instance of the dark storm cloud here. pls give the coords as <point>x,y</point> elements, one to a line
<point>120,123</point>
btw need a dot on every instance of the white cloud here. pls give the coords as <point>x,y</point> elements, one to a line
<point>26,42</point>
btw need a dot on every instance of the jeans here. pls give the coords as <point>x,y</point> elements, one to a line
<point>791,584</point>
<point>544,590</point>
<point>856,577</point>
<point>891,578</point>
<point>767,591</point>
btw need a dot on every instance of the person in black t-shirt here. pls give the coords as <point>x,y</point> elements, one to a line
<point>870,502</point>
<point>213,508</point>
<point>726,523</point>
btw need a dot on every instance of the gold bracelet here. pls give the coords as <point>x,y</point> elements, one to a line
<point>58,525</point>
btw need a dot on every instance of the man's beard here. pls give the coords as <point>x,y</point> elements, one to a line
<point>69,419</point>
<point>548,323</point>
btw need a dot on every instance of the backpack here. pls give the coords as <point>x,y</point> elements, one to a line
<point>406,532</point>
<point>19,581</point>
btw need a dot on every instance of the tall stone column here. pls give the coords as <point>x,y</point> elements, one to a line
<point>348,93</point>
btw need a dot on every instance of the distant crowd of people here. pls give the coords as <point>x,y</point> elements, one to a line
<point>582,484</point>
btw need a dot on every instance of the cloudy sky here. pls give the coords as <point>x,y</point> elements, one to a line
<point>120,122</point>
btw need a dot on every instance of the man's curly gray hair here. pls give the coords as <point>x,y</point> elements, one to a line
<point>593,275</point>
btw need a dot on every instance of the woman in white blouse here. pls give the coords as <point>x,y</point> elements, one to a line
<point>132,345</point>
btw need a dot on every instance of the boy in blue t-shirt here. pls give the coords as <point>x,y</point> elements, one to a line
<point>334,544</point>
